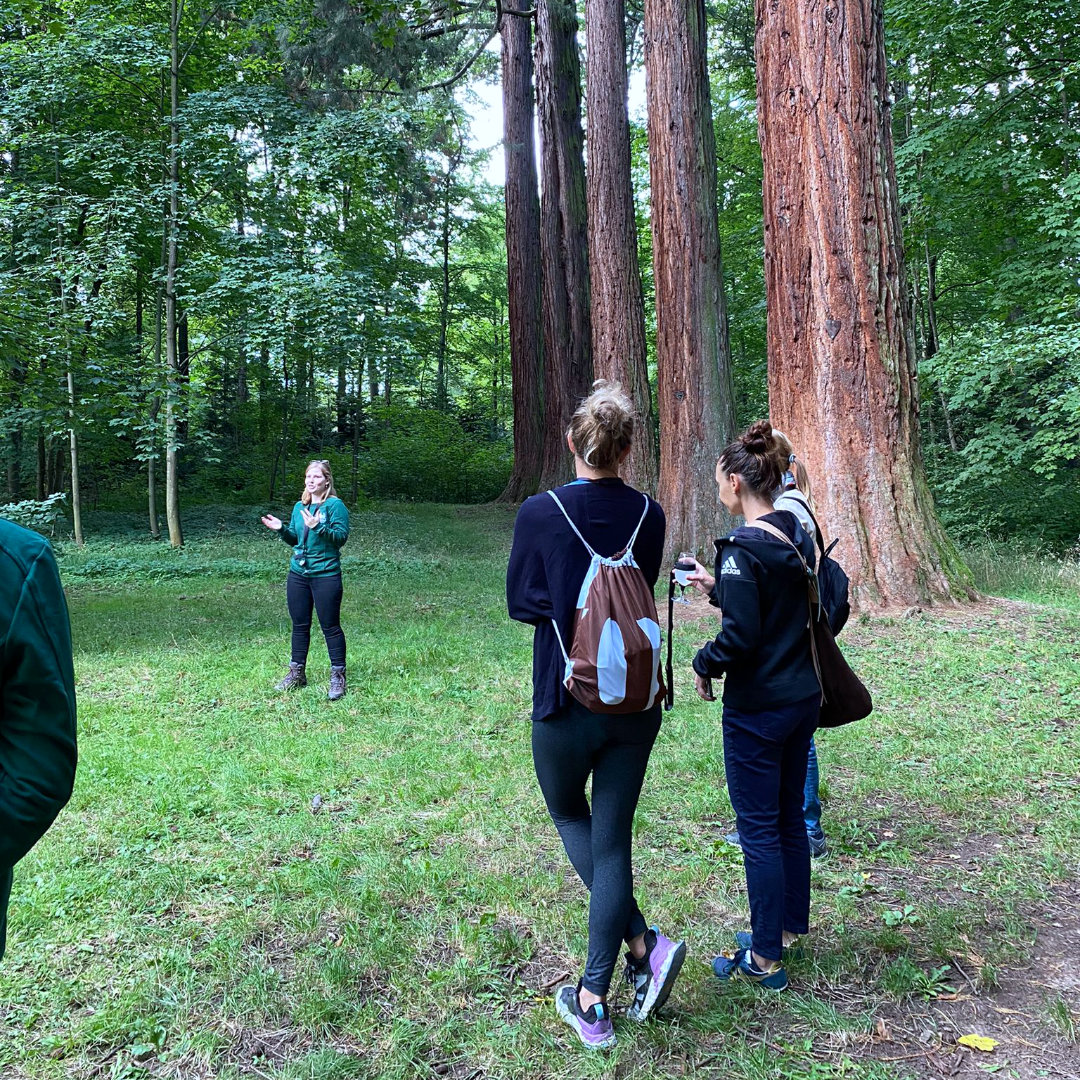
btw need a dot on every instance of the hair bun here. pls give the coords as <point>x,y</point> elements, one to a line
<point>759,438</point>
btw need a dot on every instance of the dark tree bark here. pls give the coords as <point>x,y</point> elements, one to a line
<point>618,310</point>
<point>695,393</point>
<point>564,245</point>
<point>522,259</point>
<point>841,347</point>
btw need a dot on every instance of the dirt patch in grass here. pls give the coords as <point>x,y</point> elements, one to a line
<point>1031,1015</point>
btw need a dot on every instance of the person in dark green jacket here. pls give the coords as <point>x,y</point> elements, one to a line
<point>317,530</point>
<point>37,699</point>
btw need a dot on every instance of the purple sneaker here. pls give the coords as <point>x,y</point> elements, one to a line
<point>592,1027</point>
<point>653,976</point>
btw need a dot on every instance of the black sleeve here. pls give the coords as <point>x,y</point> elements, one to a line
<point>740,627</point>
<point>528,598</point>
<point>649,549</point>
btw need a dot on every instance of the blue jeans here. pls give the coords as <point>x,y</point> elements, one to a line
<point>765,759</point>
<point>811,797</point>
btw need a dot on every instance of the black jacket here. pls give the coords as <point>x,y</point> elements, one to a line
<point>548,563</point>
<point>763,646</point>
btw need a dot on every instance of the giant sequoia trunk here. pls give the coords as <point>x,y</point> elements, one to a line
<point>522,259</point>
<point>618,311</point>
<point>695,394</point>
<point>563,240</point>
<point>841,349</point>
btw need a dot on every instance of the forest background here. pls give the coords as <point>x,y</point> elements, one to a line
<point>307,198</point>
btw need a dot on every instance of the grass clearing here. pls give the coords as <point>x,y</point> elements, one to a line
<point>249,885</point>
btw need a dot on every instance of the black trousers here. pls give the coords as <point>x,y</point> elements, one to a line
<point>324,595</point>
<point>567,747</point>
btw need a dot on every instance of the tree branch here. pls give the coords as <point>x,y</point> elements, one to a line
<point>198,34</point>
<point>444,83</point>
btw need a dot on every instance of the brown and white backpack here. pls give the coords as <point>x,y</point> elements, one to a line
<point>613,665</point>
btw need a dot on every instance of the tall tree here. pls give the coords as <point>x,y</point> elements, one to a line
<point>564,243</point>
<point>618,310</point>
<point>523,258</point>
<point>694,384</point>
<point>841,349</point>
<point>172,479</point>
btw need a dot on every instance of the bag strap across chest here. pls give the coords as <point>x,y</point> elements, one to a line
<point>628,550</point>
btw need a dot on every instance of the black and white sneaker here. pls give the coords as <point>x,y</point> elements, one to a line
<point>653,976</point>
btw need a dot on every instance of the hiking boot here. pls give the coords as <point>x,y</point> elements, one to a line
<point>741,967</point>
<point>337,683</point>
<point>653,976</point>
<point>294,680</point>
<point>593,1027</point>
<point>745,940</point>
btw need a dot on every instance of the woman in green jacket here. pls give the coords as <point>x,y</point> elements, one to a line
<point>317,530</point>
<point>37,699</point>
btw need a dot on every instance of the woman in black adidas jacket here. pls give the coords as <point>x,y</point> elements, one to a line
<point>771,700</point>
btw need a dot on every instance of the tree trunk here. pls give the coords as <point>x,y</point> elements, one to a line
<point>522,260</point>
<point>172,480</point>
<point>695,393</point>
<point>841,350</point>
<point>444,287</point>
<point>564,246</point>
<point>618,310</point>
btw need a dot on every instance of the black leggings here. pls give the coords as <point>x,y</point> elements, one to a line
<point>324,594</point>
<point>615,749</point>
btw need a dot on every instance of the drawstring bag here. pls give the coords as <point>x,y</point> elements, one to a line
<point>613,663</point>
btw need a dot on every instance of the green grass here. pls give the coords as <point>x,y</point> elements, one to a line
<point>1021,572</point>
<point>192,914</point>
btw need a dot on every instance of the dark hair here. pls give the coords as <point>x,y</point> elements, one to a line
<point>602,426</point>
<point>753,456</point>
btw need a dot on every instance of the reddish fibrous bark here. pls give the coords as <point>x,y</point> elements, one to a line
<point>842,373</point>
<point>522,258</point>
<point>618,309</point>
<point>694,385</point>
<point>563,234</point>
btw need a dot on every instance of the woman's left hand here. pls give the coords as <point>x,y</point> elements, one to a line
<point>310,520</point>
<point>703,687</point>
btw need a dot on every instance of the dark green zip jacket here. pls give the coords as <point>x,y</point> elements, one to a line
<point>37,699</point>
<point>316,552</point>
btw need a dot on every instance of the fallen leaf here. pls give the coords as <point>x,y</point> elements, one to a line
<point>978,1042</point>
<point>882,1029</point>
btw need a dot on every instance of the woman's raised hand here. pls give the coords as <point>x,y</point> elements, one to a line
<point>271,522</point>
<point>701,579</point>
<point>310,520</point>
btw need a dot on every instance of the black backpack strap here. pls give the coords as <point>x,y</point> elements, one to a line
<point>669,690</point>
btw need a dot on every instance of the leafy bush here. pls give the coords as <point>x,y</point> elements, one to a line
<point>427,455</point>
<point>1014,398</point>
<point>44,516</point>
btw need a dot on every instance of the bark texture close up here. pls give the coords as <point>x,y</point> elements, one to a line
<point>618,309</point>
<point>842,378</point>
<point>695,394</point>
<point>563,236</point>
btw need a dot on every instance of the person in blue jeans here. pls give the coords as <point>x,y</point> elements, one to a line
<point>772,700</point>
<point>548,564</point>
<point>795,496</point>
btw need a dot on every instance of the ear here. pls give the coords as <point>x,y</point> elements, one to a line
<point>570,443</point>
